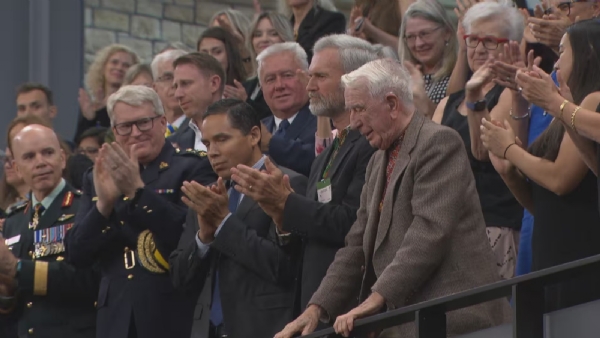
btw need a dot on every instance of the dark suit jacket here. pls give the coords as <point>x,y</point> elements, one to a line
<point>318,23</point>
<point>259,104</point>
<point>184,137</point>
<point>83,124</point>
<point>428,241</point>
<point>325,225</point>
<point>66,309</point>
<point>126,291</point>
<point>296,150</point>
<point>256,273</point>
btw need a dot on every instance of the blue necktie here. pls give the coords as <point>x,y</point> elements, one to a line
<point>216,311</point>
<point>283,126</point>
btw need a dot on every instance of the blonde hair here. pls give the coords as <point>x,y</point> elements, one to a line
<point>433,11</point>
<point>238,20</point>
<point>280,23</point>
<point>95,79</point>
<point>284,8</point>
<point>136,70</point>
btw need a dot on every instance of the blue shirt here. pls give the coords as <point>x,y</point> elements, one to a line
<point>203,248</point>
<point>47,201</point>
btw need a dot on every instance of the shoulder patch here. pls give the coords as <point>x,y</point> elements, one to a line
<point>190,152</point>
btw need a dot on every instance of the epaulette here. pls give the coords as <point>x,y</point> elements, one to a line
<point>78,192</point>
<point>190,152</point>
<point>17,206</point>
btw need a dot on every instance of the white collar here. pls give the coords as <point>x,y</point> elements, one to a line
<point>177,123</point>
<point>278,120</point>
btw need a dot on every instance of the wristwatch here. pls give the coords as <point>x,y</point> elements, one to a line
<point>477,106</point>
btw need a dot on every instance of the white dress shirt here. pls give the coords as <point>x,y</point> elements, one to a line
<point>198,145</point>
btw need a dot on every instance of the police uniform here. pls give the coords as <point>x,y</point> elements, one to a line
<point>136,298</point>
<point>54,299</point>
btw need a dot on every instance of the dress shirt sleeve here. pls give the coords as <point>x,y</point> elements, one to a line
<point>203,248</point>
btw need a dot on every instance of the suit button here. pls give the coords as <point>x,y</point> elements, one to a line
<point>104,231</point>
<point>130,277</point>
<point>362,268</point>
<point>30,253</point>
<point>30,331</point>
<point>95,304</point>
<point>29,305</point>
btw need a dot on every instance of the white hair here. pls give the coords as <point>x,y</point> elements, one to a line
<point>285,47</point>
<point>504,10</point>
<point>168,55</point>
<point>284,8</point>
<point>134,96</point>
<point>353,52</point>
<point>382,77</point>
<point>386,52</point>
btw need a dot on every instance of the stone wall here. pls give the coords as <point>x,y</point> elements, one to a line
<point>148,26</point>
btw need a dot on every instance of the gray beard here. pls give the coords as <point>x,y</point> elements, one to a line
<point>327,108</point>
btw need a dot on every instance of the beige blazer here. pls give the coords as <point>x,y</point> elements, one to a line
<point>430,240</point>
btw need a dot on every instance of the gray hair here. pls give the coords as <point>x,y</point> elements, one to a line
<point>134,96</point>
<point>286,47</point>
<point>385,52</point>
<point>168,55</point>
<point>136,70</point>
<point>504,11</point>
<point>280,23</point>
<point>284,8</point>
<point>382,77</point>
<point>238,20</point>
<point>430,10</point>
<point>354,52</point>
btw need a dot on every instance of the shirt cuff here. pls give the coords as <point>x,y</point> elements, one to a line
<point>203,247</point>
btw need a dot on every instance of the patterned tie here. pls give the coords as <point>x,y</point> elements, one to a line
<point>171,129</point>
<point>393,152</point>
<point>283,126</point>
<point>37,212</point>
<point>337,144</point>
<point>216,311</point>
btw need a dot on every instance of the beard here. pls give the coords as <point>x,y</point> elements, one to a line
<point>326,106</point>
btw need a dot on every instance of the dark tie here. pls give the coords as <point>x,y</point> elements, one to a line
<point>283,126</point>
<point>216,311</point>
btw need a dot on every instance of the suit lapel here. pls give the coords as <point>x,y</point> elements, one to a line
<point>269,122</point>
<point>150,173</point>
<point>54,211</point>
<point>319,165</point>
<point>298,124</point>
<point>245,206</point>
<point>410,139</point>
<point>352,136</point>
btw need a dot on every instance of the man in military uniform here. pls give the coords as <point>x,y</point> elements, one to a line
<point>49,297</point>
<point>132,217</point>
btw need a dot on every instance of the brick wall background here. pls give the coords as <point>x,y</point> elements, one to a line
<point>148,26</point>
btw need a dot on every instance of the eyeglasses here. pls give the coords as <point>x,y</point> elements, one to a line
<point>168,77</point>
<point>489,42</point>
<point>423,35</point>
<point>88,151</point>
<point>145,124</point>
<point>565,7</point>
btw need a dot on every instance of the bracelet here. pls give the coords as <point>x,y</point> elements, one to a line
<point>518,117</point>
<point>508,147</point>
<point>562,107</point>
<point>573,118</point>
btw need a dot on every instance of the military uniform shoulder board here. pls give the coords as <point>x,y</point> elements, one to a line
<point>15,207</point>
<point>68,199</point>
<point>191,152</point>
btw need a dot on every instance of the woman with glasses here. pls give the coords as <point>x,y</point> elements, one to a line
<point>428,48</point>
<point>489,26</point>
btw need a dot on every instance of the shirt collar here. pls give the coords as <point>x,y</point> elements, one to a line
<point>195,128</point>
<point>278,120</point>
<point>47,201</point>
<point>177,123</point>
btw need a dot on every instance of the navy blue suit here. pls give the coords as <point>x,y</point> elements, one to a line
<point>184,137</point>
<point>131,295</point>
<point>296,149</point>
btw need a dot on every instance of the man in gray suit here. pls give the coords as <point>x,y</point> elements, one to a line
<point>419,232</point>
<point>230,250</point>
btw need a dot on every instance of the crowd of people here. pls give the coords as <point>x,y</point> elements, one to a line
<point>297,171</point>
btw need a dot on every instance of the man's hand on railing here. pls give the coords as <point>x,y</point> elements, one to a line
<point>306,323</point>
<point>345,323</point>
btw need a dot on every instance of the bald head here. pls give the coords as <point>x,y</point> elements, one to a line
<point>39,158</point>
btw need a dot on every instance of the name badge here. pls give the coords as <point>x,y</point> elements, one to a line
<point>324,190</point>
<point>12,240</point>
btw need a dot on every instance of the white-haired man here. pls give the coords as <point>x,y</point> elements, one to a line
<point>289,135</point>
<point>162,72</point>
<point>131,219</point>
<point>419,233</point>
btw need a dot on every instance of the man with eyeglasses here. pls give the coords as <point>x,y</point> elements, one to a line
<point>132,218</point>
<point>162,71</point>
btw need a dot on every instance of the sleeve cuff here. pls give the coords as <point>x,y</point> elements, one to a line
<point>202,247</point>
<point>34,277</point>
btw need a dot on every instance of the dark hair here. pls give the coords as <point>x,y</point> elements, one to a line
<point>99,133</point>
<point>548,56</point>
<point>235,65</point>
<point>31,86</point>
<point>205,63</point>
<point>8,194</point>
<point>582,82</point>
<point>240,114</point>
<point>77,165</point>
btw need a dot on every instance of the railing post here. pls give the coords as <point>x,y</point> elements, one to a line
<point>430,323</point>
<point>528,310</point>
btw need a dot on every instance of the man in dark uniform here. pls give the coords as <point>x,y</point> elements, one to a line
<point>132,217</point>
<point>49,297</point>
